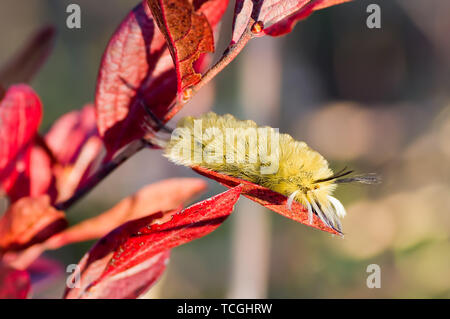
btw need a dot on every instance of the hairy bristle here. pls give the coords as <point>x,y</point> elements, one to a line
<point>337,175</point>
<point>371,178</point>
<point>291,199</point>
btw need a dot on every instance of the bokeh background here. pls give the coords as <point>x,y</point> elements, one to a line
<point>376,100</point>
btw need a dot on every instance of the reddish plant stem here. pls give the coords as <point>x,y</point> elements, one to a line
<point>40,141</point>
<point>26,62</point>
<point>102,173</point>
<point>229,55</point>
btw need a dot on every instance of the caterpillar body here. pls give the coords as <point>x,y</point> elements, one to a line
<point>263,156</point>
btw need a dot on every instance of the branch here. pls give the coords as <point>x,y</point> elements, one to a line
<point>102,173</point>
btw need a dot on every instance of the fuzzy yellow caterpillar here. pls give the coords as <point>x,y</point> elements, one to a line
<point>263,156</point>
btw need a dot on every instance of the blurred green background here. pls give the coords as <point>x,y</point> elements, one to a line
<point>376,100</point>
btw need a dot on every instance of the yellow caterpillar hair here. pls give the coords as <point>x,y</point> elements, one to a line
<point>224,144</point>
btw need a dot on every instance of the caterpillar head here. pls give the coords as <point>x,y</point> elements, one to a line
<point>316,197</point>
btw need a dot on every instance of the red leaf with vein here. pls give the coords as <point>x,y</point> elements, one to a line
<point>161,196</point>
<point>268,198</point>
<point>137,67</point>
<point>130,66</point>
<point>139,278</point>
<point>130,284</point>
<point>27,62</point>
<point>29,221</point>
<point>20,116</point>
<point>138,241</point>
<point>188,35</point>
<point>279,17</point>
<point>14,284</point>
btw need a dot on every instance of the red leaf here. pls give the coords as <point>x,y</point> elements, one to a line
<point>74,159</point>
<point>70,178</point>
<point>278,17</point>
<point>40,173</point>
<point>161,196</point>
<point>20,116</point>
<point>129,285</point>
<point>29,221</point>
<point>77,127</point>
<point>268,198</point>
<point>188,35</point>
<point>140,241</point>
<point>27,61</point>
<point>95,261</point>
<point>14,284</point>
<point>135,61</point>
<point>191,223</point>
<point>212,9</point>
<point>36,178</point>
